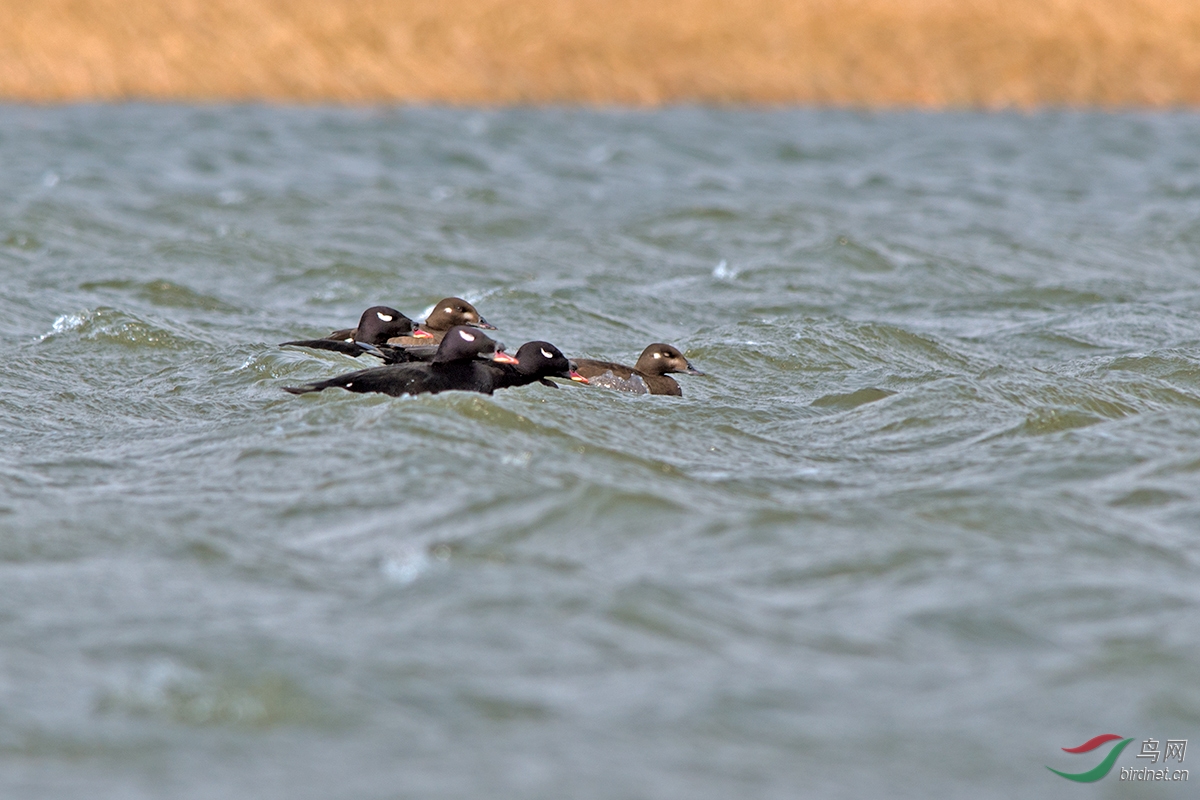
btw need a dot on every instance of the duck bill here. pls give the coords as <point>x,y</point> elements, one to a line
<point>501,357</point>
<point>575,376</point>
<point>483,323</point>
<point>692,371</point>
<point>421,334</point>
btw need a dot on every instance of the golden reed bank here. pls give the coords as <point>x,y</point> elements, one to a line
<point>922,53</point>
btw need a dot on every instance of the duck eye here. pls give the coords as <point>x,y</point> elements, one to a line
<point>547,355</point>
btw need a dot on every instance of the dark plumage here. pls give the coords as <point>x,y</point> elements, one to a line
<point>448,313</point>
<point>376,325</point>
<point>399,354</point>
<point>464,361</point>
<point>462,367</point>
<point>536,361</point>
<point>648,376</point>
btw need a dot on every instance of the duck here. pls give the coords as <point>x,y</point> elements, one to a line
<point>448,313</point>
<point>536,361</point>
<point>404,349</point>
<point>647,376</point>
<point>376,326</point>
<point>461,363</point>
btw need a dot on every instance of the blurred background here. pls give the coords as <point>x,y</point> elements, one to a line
<point>922,53</point>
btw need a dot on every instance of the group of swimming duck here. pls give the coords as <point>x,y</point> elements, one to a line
<point>449,351</point>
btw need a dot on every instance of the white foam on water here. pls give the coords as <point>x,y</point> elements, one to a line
<point>724,272</point>
<point>64,323</point>
<point>405,567</point>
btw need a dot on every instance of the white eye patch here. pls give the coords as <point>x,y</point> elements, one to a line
<point>547,355</point>
<point>448,310</point>
<point>469,337</point>
<point>384,317</point>
<point>658,355</point>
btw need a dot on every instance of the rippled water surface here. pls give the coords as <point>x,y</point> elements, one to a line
<point>931,516</point>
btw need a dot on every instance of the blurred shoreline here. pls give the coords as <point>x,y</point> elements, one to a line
<point>855,53</point>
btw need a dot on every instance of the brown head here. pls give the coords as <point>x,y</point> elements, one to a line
<point>660,359</point>
<point>455,311</point>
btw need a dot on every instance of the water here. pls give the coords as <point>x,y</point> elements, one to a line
<point>931,516</point>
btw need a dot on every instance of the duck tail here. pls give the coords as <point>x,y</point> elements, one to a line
<point>305,389</point>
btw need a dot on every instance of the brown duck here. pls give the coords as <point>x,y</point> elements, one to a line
<point>448,313</point>
<point>648,376</point>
